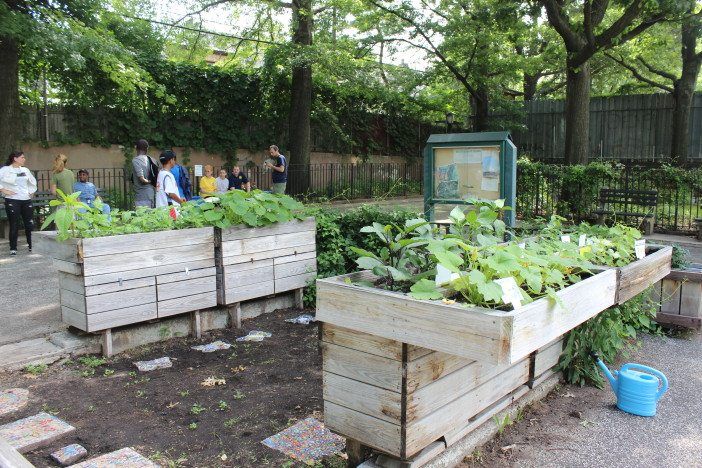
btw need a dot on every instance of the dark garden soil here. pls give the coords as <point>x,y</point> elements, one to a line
<point>169,416</point>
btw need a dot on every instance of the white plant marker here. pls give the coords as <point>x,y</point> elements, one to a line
<point>640,248</point>
<point>444,275</point>
<point>582,240</point>
<point>565,238</point>
<point>510,292</point>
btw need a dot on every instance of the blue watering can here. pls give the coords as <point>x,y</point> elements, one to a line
<point>637,391</point>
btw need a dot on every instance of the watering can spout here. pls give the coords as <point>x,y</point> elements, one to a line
<point>612,380</point>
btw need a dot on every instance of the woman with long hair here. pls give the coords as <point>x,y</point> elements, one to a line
<point>62,178</point>
<point>17,185</point>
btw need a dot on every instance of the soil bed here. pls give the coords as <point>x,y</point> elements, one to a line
<point>168,416</point>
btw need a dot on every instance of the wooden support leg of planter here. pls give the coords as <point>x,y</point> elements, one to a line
<point>299,298</point>
<point>357,453</point>
<point>235,315</point>
<point>107,343</point>
<point>648,226</point>
<point>196,325</point>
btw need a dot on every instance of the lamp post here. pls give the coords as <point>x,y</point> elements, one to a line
<point>449,121</point>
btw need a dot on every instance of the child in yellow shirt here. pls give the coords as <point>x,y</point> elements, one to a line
<point>208,184</point>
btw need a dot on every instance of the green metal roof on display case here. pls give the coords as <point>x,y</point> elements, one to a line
<point>480,137</point>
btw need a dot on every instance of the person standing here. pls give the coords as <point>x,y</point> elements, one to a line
<point>222,181</point>
<point>62,178</point>
<point>279,170</point>
<point>167,188</point>
<point>17,184</point>
<point>143,177</point>
<point>182,180</point>
<point>208,184</point>
<point>238,180</point>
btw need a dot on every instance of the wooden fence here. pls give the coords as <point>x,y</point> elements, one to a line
<point>636,127</point>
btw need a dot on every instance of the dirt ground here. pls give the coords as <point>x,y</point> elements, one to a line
<point>168,416</point>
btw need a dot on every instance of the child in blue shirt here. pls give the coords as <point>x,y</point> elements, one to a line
<point>88,192</point>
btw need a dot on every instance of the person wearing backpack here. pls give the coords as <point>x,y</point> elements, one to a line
<point>182,181</point>
<point>144,175</point>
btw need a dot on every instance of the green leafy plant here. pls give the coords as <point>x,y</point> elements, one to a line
<point>197,409</point>
<point>91,361</point>
<point>681,257</point>
<point>35,369</point>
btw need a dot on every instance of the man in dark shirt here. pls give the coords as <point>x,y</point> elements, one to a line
<point>279,170</point>
<point>238,180</point>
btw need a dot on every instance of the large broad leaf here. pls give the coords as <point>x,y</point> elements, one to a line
<point>362,252</point>
<point>447,259</point>
<point>399,275</point>
<point>491,291</point>
<point>532,277</point>
<point>425,289</point>
<point>368,263</point>
<point>213,216</point>
<point>377,228</point>
<point>502,262</point>
<point>457,215</point>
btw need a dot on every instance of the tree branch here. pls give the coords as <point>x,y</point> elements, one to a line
<point>561,23</point>
<point>652,69</point>
<point>638,75</point>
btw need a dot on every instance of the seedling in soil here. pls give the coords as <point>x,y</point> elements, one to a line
<point>502,423</point>
<point>192,426</point>
<point>232,356</point>
<point>132,374</point>
<point>184,393</point>
<point>238,395</point>
<point>35,369</point>
<point>140,393</point>
<point>49,409</point>
<point>223,405</point>
<point>229,423</point>
<point>268,361</point>
<point>108,372</point>
<point>69,362</point>
<point>88,372</point>
<point>197,409</point>
<point>91,408</point>
<point>163,460</point>
<point>90,361</point>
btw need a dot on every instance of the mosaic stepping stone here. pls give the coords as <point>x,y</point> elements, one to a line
<point>307,441</point>
<point>126,457</point>
<point>35,431</point>
<point>12,400</point>
<point>148,366</point>
<point>212,347</point>
<point>69,454</point>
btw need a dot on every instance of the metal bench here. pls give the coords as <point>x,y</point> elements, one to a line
<point>628,203</point>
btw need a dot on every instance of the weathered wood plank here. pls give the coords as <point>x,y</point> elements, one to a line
<point>46,244</point>
<point>137,243</point>
<point>68,267</point>
<point>74,318</point>
<point>190,303</point>
<point>186,288</point>
<point>680,320</point>
<point>120,317</point>
<point>691,299</point>
<point>365,342</point>
<point>147,259</point>
<point>245,232</point>
<point>547,357</point>
<point>537,324</point>
<point>365,398</point>
<point>295,268</point>
<point>670,297</point>
<point>432,367</point>
<point>234,278</point>
<point>73,300</point>
<point>295,258</point>
<point>185,275</point>
<point>120,286</point>
<point>473,333</point>
<point>237,259</point>
<point>363,367</point>
<point>71,282</point>
<point>148,271</point>
<point>422,432</point>
<point>368,430</point>
<point>120,299</point>
<point>267,243</point>
<point>247,292</point>
<point>294,282</point>
<point>639,275</point>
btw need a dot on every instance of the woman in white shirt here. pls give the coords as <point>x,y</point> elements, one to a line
<point>17,185</point>
<point>167,193</point>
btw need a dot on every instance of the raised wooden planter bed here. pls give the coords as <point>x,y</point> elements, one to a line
<point>487,335</point>
<point>399,398</point>
<point>680,294</point>
<point>257,262</point>
<point>107,282</point>
<point>641,274</point>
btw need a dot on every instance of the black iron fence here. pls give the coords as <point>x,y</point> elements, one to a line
<point>326,181</point>
<point>543,190</point>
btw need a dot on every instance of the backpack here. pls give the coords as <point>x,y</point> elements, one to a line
<point>184,183</point>
<point>152,171</point>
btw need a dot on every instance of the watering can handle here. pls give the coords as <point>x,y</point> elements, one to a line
<point>656,372</point>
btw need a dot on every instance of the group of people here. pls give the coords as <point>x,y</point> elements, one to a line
<point>169,185</point>
<point>18,185</point>
<point>163,184</point>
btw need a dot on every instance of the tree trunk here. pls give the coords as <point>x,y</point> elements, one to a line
<point>10,116</point>
<point>301,97</point>
<point>577,114</point>
<point>480,102</point>
<point>530,83</point>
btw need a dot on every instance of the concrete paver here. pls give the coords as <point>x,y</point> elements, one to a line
<point>34,431</point>
<point>13,399</point>
<point>120,458</point>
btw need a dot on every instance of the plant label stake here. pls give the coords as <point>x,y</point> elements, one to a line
<point>522,245</point>
<point>444,275</point>
<point>565,238</point>
<point>511,293</point>
<point>640,248</point>
<point>582,240</point>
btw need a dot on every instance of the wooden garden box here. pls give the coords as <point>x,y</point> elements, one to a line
<point>399,398</point>
<point>637,276</point>
<point>680,296</point>
<point>107,282</point>
<point>257,262</point>
<point>486,335</point>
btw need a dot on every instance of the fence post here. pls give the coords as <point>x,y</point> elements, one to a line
<point>370,185</point>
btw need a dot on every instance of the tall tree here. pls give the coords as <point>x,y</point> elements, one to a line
<point>682,86</point>
<point>585,32</point>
